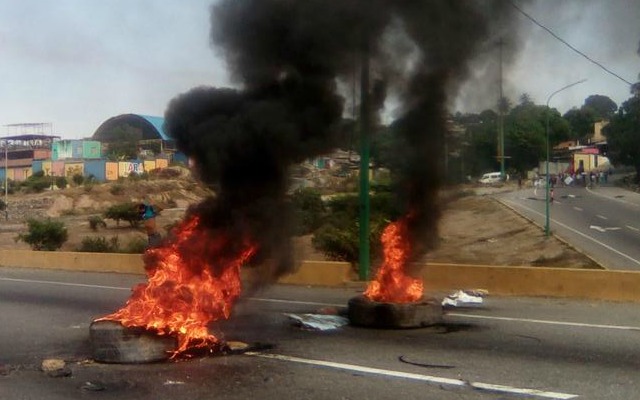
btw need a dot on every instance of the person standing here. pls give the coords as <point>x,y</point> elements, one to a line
<point>148,215</point>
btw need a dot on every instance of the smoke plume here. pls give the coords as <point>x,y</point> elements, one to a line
<point>288,58</point>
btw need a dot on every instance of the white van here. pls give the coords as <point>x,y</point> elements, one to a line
<point>491,177</point>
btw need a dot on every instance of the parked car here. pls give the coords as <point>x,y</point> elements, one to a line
<point>492,177</point>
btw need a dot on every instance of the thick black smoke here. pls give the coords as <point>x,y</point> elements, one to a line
<point>288,57</point>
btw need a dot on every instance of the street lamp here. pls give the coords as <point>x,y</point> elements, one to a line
<point>547,229</point>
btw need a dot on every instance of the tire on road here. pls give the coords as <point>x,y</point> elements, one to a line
<point>113,343</point>
<point>366,313</point>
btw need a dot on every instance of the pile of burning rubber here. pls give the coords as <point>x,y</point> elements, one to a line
<point>394,299</point>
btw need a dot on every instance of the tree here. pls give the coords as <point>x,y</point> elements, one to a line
<point>383,147</point>
<point>482,143</point>
<point>581,121</point>
<point>525,99</point>
<point>603,107</point>
<point>504,105</point>
<point>623,135</point>
<point>525,134</point>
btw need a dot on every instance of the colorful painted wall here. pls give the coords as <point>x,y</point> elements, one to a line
<point>102,170</point>
<point>75,149</point>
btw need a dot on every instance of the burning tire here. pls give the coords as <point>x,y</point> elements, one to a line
<point>367,313</point>
<point>113,343</point>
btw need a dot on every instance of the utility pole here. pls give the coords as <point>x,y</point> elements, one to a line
<point>501,107</point>
<point>6,180</point>
<point>365,125</point>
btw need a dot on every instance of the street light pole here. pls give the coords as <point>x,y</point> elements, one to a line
<point>547,229</point>
<point>365,144</point>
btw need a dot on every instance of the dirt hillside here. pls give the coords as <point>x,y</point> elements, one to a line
<point>474,228</point>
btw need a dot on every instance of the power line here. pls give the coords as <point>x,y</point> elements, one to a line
<point>568,44</point>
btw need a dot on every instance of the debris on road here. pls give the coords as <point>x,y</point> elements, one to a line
<point>237,347</point>
<point>464,298</point>
<point>93,386</point>
<point>318,322</point>
<point>170,382</point>
<point>55,368</point>
<point>404,360</point>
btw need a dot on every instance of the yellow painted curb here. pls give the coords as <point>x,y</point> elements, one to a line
<point>438,277</point>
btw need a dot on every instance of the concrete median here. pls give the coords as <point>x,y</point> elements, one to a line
<point>498,280</point>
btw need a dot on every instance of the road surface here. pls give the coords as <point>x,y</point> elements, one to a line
<point>506,348</point>
<point>603,222</point>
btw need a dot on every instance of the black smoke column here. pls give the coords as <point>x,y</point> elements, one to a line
<point>287,58</point>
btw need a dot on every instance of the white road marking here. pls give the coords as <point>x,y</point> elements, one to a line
<point>578,233</point>
<point>633,228</point>
<point>547,322</point>
<point>602,217</point>
<point>63,283</point>
<point>311,303</point>
<point>601,229</point>
<point>417,377</point>
<point>578,209</point>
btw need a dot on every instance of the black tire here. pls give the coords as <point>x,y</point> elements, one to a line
<point>367,313</point>
<point>113,343</point>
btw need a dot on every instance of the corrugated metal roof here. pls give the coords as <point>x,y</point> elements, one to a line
<point>158,124</point>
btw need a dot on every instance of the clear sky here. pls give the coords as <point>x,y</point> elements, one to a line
<point>76,63</point>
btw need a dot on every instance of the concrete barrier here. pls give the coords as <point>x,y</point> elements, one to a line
<point>504,281</point>
<point>535,281</point>
<point>75,261</point>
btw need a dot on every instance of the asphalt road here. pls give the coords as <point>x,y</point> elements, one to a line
<point>506,348</point>
<point>603,222</point>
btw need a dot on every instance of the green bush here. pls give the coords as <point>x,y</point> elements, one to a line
<point>309,209</point>
<point>338,243</point>
<point>125,212</point>
<point>137,245</point>
<point>37,182</point>
<point>44,235</point>
<point>3,205</point>
<point>61,182</point>
<point>99,244</point>
<point>339,237</point>
<point>96,221</point>
<point>116,189</point>
<point>77,179</point>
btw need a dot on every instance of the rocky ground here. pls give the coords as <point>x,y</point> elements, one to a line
<point>474,228</point>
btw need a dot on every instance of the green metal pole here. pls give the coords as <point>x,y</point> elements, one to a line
<point>365,124</point>
<point>547,227</point>
<point>501,111</point>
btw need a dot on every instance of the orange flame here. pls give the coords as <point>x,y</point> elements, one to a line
<point>182,294</point>
<point>392,284</point>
